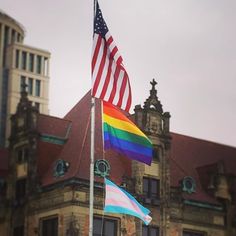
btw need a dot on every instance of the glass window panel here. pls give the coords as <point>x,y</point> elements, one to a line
<point>30,86</point>
<point>145,231</point>
<point>17,58</point>
<point>37,88</point>
<point>109,228</point>
<point>153,232</point>
<point>39,61</point>
<point>23,60</point>
<point>145,186</point>
<point>97,226</point>
<point>22,82</point>
<point>31,62</point>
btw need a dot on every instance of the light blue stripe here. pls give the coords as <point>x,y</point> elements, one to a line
<point>122,210</point>
<point>142,208</point>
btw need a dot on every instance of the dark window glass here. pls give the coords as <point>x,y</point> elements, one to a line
<point>23,60</point>
<point>37,87</point>
<point>13,36</point>
<point>155,154</point>
<point>151,188</point>
<point>50,227</point>
<point>30,86</point>
<point>18,231</point>
<point>39,62</point>
<point>104,227</point>
<point>31,62</point>
<point>150,231</point>
<point>192,233</point>
<point>17,58</point>
<point>22,82</point>
<point>20,189</point>
<point>23,155</point>
<point>18,37</point>
<point>37,105</point>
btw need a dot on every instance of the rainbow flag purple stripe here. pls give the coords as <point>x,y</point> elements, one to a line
<point>119,201</point>
<point>124,136</point>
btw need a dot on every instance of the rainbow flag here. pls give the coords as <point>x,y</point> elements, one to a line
<point>124,136</point>
<point>117,200</point>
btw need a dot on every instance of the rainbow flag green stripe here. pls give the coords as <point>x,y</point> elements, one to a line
<point>124,136</point>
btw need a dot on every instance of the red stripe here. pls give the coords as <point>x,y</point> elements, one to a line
<point>114,88</point>
<point>96,51</point>
<point>122,89</point>
<point>129,100</point>
<point>107,79</point>
<point>100,70</point>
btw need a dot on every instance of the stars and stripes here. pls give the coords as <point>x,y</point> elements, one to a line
<point>110,81</point>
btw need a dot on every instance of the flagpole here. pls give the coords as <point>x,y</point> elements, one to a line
<point>91,190</point>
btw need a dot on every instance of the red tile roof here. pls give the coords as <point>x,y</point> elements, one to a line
<point>76,150</point>
<point>189,155</point>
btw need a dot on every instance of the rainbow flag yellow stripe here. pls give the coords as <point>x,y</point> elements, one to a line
<point>122,135</point>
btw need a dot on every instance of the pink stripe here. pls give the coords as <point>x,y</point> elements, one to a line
<point>111,189</point>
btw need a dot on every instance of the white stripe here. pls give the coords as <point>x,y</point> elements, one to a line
<point>98,61</point>
<point>111,82</point>
<point>126,95</point>
<point>95,39</point>
<point>121,197</point>
<point>103,76</point>
<point>119,83</point>
<point>112,46</point>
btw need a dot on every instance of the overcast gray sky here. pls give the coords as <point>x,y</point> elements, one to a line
<point>188,46</point>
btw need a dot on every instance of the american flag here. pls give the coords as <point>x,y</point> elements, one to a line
<point>110,81</point>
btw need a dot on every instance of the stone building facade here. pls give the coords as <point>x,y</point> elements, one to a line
<point>20,63</point>
<point>189,187</point>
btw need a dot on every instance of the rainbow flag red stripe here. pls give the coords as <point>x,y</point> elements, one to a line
<point>124,136</point>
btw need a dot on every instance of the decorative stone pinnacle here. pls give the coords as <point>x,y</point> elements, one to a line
<point>152,101</point>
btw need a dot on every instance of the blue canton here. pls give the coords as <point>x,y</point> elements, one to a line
<point>100,26</point>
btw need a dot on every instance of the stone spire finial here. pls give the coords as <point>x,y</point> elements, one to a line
<point>152,101</point>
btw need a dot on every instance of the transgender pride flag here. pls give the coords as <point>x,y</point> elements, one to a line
<point>119,201</point>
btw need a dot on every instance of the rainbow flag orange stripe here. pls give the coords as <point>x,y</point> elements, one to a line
<point>124,136</point>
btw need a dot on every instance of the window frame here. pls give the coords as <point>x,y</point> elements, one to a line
<point>149,228</point>
<point>194,232</point>
<point>49,218</point>
<point>149,193</point>
<point>104,220</point>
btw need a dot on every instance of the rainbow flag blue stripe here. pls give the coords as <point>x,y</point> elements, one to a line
<point>124,136</point>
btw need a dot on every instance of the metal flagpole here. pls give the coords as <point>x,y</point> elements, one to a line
<point>91,190</point>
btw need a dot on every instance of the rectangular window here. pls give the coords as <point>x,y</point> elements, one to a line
<point>151,188</point>
<point>39,64</point>
<point>20,189</point>
<point>150,231</point>
<point>49,227</point>
<point>193,233</point>
<point>23,60</point>
<point>18,231</point>
<point>30,86</point>
<point>37,105</point>
<point>22,82</point>
<point>13,36</point>
<point>155,154</point>
<point>37,87</point>
<point>22,155</point>
<point>105,227</point>
<point>31,62</point>
<point>17,58</point>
